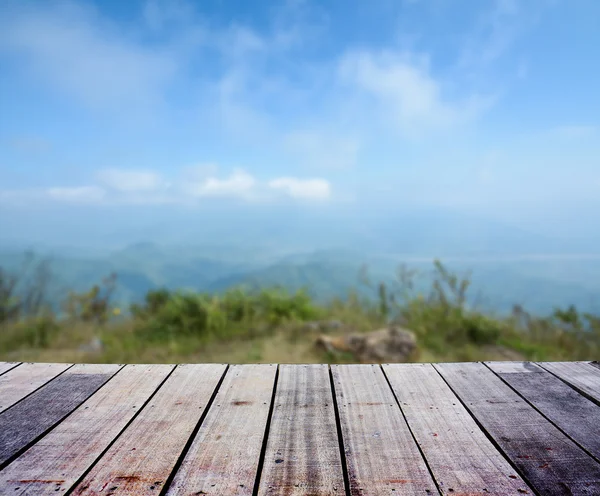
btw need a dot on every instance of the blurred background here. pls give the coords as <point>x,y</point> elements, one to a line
<point>299,181</point>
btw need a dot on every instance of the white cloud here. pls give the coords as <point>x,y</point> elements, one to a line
<point>130,180</point>
<point>129,188</point>
<point>71,46</point>
<point>495,31</point>
<point>306,189</point>
<point>403,89</point>
<point>239,184</point>
<point>81,194</point>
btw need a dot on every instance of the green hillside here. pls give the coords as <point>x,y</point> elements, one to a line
<point>257,323</point>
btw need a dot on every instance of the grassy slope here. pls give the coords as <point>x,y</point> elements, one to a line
<point>270,325</point>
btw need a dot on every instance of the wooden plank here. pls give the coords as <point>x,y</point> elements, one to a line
<point>571,412</point>
<point>32,417</point>
<point>581,375</point>
<point>55,463</point>
<point>131,465</point>
<point>460,456</point>
<point>6,366</point>
<point>21,381</point>
<point>224,456</point>
<point>303,454</point>
<point>548,459</point>
<point>381,454</point>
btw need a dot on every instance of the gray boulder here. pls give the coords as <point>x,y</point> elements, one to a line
<point>393,344</point>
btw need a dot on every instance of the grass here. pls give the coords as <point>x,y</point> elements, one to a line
<point>275,326</point>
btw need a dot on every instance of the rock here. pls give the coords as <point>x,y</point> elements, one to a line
<point>94,346</point>
<point>392,344</point>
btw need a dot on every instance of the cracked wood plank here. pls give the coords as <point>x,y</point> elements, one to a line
<point>381,454</point>
<point>461,457</point>
<point>55,463</point>
<point>224,456</point>
<point>574,414</point>
<point>40,411</point>
<point>21,381</point>
<point>6,366</point>
<point>303,454</point>
<point>548,459</point>
<point>144,455</point>
<point>582,376</point>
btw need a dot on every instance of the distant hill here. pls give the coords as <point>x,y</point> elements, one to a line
<point>322,280</point>
<point>538,283</point>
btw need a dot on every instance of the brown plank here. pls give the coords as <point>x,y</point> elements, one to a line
<point>131,465</point>
<point>381,454</point>
<point>581,375</point>
<point>460,456</point>
<point>21,381</point>
<point>571,412</point>
<point>55,463</point>
<point>223,458</point>
<point>6,366</point>
<point>41,410</point>
<point>548,459</point>
<point>303,455</point>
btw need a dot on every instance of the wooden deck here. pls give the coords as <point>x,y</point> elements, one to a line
<point>395,429</point>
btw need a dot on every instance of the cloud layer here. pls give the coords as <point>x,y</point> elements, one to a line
<point>115,186</point>
<point>407,102</point>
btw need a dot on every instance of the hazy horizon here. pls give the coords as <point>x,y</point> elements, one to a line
<point>124,121</point>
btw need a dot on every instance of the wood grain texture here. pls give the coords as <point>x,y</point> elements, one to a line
<point>549,460</point>
<point>223,458</point>
<point>581,375</point>
<point>41,410</point>
<point>574,414</point>
<point>381,454</point>
<point>303,455</point>
<point>55,463</point>
<point>23,380</point>
<point>144,455</point>
<point>462,459</point>
<point>6,366</point>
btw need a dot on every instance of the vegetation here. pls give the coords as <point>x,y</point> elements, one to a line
<point>274,325</point>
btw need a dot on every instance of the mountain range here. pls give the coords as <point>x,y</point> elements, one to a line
<point>323,253</point>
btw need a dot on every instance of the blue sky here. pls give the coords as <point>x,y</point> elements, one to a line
<point>485,106</point>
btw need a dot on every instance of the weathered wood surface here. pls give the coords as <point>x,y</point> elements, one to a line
<point>547,458</point>
<point>457,429</point>
<point>371,422</point>
<point>571,412</point>
<point>6,366</point>
<point>23,380</point>
<point>144,455</point>
<point>30,418</point>
<point>224,455</point>
<point>55,463</point>
<point>581,375</point>
<point>461,458</point>
<point>303,453</point>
